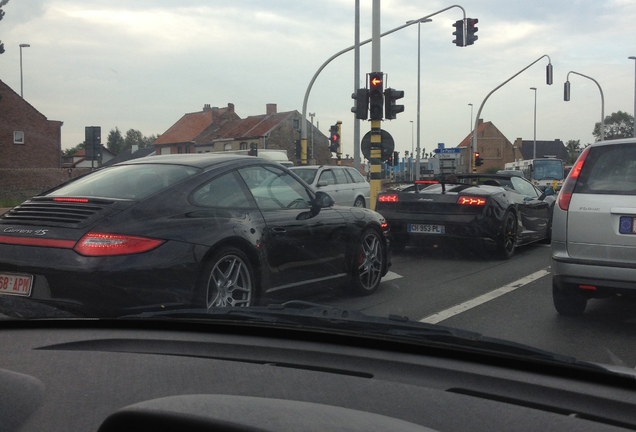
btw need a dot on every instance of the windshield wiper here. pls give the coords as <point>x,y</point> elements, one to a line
<point>311,316</point>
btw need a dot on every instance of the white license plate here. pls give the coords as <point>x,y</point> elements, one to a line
<point>16,284</point>
<point>426,229</point>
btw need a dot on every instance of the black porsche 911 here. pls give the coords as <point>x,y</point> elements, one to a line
<point>493,210</point>
<point>191,230</point>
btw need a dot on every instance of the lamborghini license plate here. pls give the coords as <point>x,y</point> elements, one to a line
<point>426,229</point>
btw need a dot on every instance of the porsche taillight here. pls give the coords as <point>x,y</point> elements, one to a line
<point>103,244</point>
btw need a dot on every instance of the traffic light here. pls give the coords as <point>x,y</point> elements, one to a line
<point>298,149</point>
<point>389,161</point>
<point>376,95</point>
<point>396,158</point>
<point>92,142</point>
<point>253,149</point>
<point>459,33</point>
<point>479,161</point>
<point>334,139</point>
<point>361,108</point>
<point>390,108</point>
<point>566,91</point>
<point>471,29</point>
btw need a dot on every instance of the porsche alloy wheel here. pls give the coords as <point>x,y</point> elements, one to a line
<point>229,280</point>
<point>367,265</point>
<point>507,241</point>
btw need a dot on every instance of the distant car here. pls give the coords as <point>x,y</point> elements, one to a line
<point>594,231</point>
<point>500,210</point>
<point>512,172</point>
<point>189,230</point>
<point>344,184</point>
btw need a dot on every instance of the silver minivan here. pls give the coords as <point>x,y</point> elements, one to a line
<point>594,227</point>
<point>343,183</point>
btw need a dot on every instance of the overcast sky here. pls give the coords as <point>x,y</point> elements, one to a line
<point>143,64</point>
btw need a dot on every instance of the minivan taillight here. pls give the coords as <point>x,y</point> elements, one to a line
<point>565,194</point>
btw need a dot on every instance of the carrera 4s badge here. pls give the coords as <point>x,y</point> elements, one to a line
<point>37,232</point>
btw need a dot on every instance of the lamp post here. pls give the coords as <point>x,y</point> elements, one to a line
<point>412,150</point>
<point>419,55</point>
<point>22,45</point>
<point>312,138</point>
<point>470,125</point>
<point>634,58</point>
<point>534,140</point>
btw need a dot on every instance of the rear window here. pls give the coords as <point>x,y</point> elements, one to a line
<point>609,170</point>
<point>307,174</point>
<point>126,181</point>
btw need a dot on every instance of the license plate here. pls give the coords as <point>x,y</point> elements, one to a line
<point>426,229</point>
<point>627,225</point>
<point>16,284</point>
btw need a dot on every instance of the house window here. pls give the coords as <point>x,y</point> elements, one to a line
<point>18,137</point>
<point>227,147</point>
<point>243,146</point>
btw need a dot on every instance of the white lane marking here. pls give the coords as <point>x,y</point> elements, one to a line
<point>463,307</point>
<point>390,276</point>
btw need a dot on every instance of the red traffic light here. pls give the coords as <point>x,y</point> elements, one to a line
<point>376,81</point>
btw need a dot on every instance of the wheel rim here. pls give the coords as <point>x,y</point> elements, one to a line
<point>229,283</point>
<point>370,262</point>
<point>510,234</point>
<point>358,203</point>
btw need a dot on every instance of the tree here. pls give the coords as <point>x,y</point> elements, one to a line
<point>134,138</point>
<point>115,141</point>
<point>617,125</point>
<point>2,3</point>
<point>574,149</point>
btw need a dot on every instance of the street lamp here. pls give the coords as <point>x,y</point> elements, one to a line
<point>22,45</point>
<point>534,142</point>
<point>412,149</point>
<point>634,58</point>
<point>419,42</point>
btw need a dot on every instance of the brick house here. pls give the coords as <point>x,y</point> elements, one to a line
<point>27,138</point>
<point>493,147</point>
<point>216,129</point>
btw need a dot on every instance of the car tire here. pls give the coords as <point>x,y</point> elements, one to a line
<point>368,262</point>
<point>359,202</point>
<point>507,239</point>
<point>227,280</point>
<point>568,301</point>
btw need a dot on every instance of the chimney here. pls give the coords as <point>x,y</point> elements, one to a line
<point>206,108</point>
<point>230,107</point>
<point>270,109</point>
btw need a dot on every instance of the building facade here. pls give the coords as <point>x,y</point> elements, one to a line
<point>27,138</point>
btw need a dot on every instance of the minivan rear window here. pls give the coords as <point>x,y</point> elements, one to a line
<point>609,170</point>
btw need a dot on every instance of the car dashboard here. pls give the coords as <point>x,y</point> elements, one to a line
<point>92,375</point>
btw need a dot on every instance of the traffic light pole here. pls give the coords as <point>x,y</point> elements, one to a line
<point>376,124</point>
<point>303,127</point>
<point>473,144</point>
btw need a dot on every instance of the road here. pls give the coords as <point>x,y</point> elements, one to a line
<point>505,299</point>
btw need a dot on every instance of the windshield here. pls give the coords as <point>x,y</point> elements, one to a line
<point>548,169</point>
<point>113,206</point>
